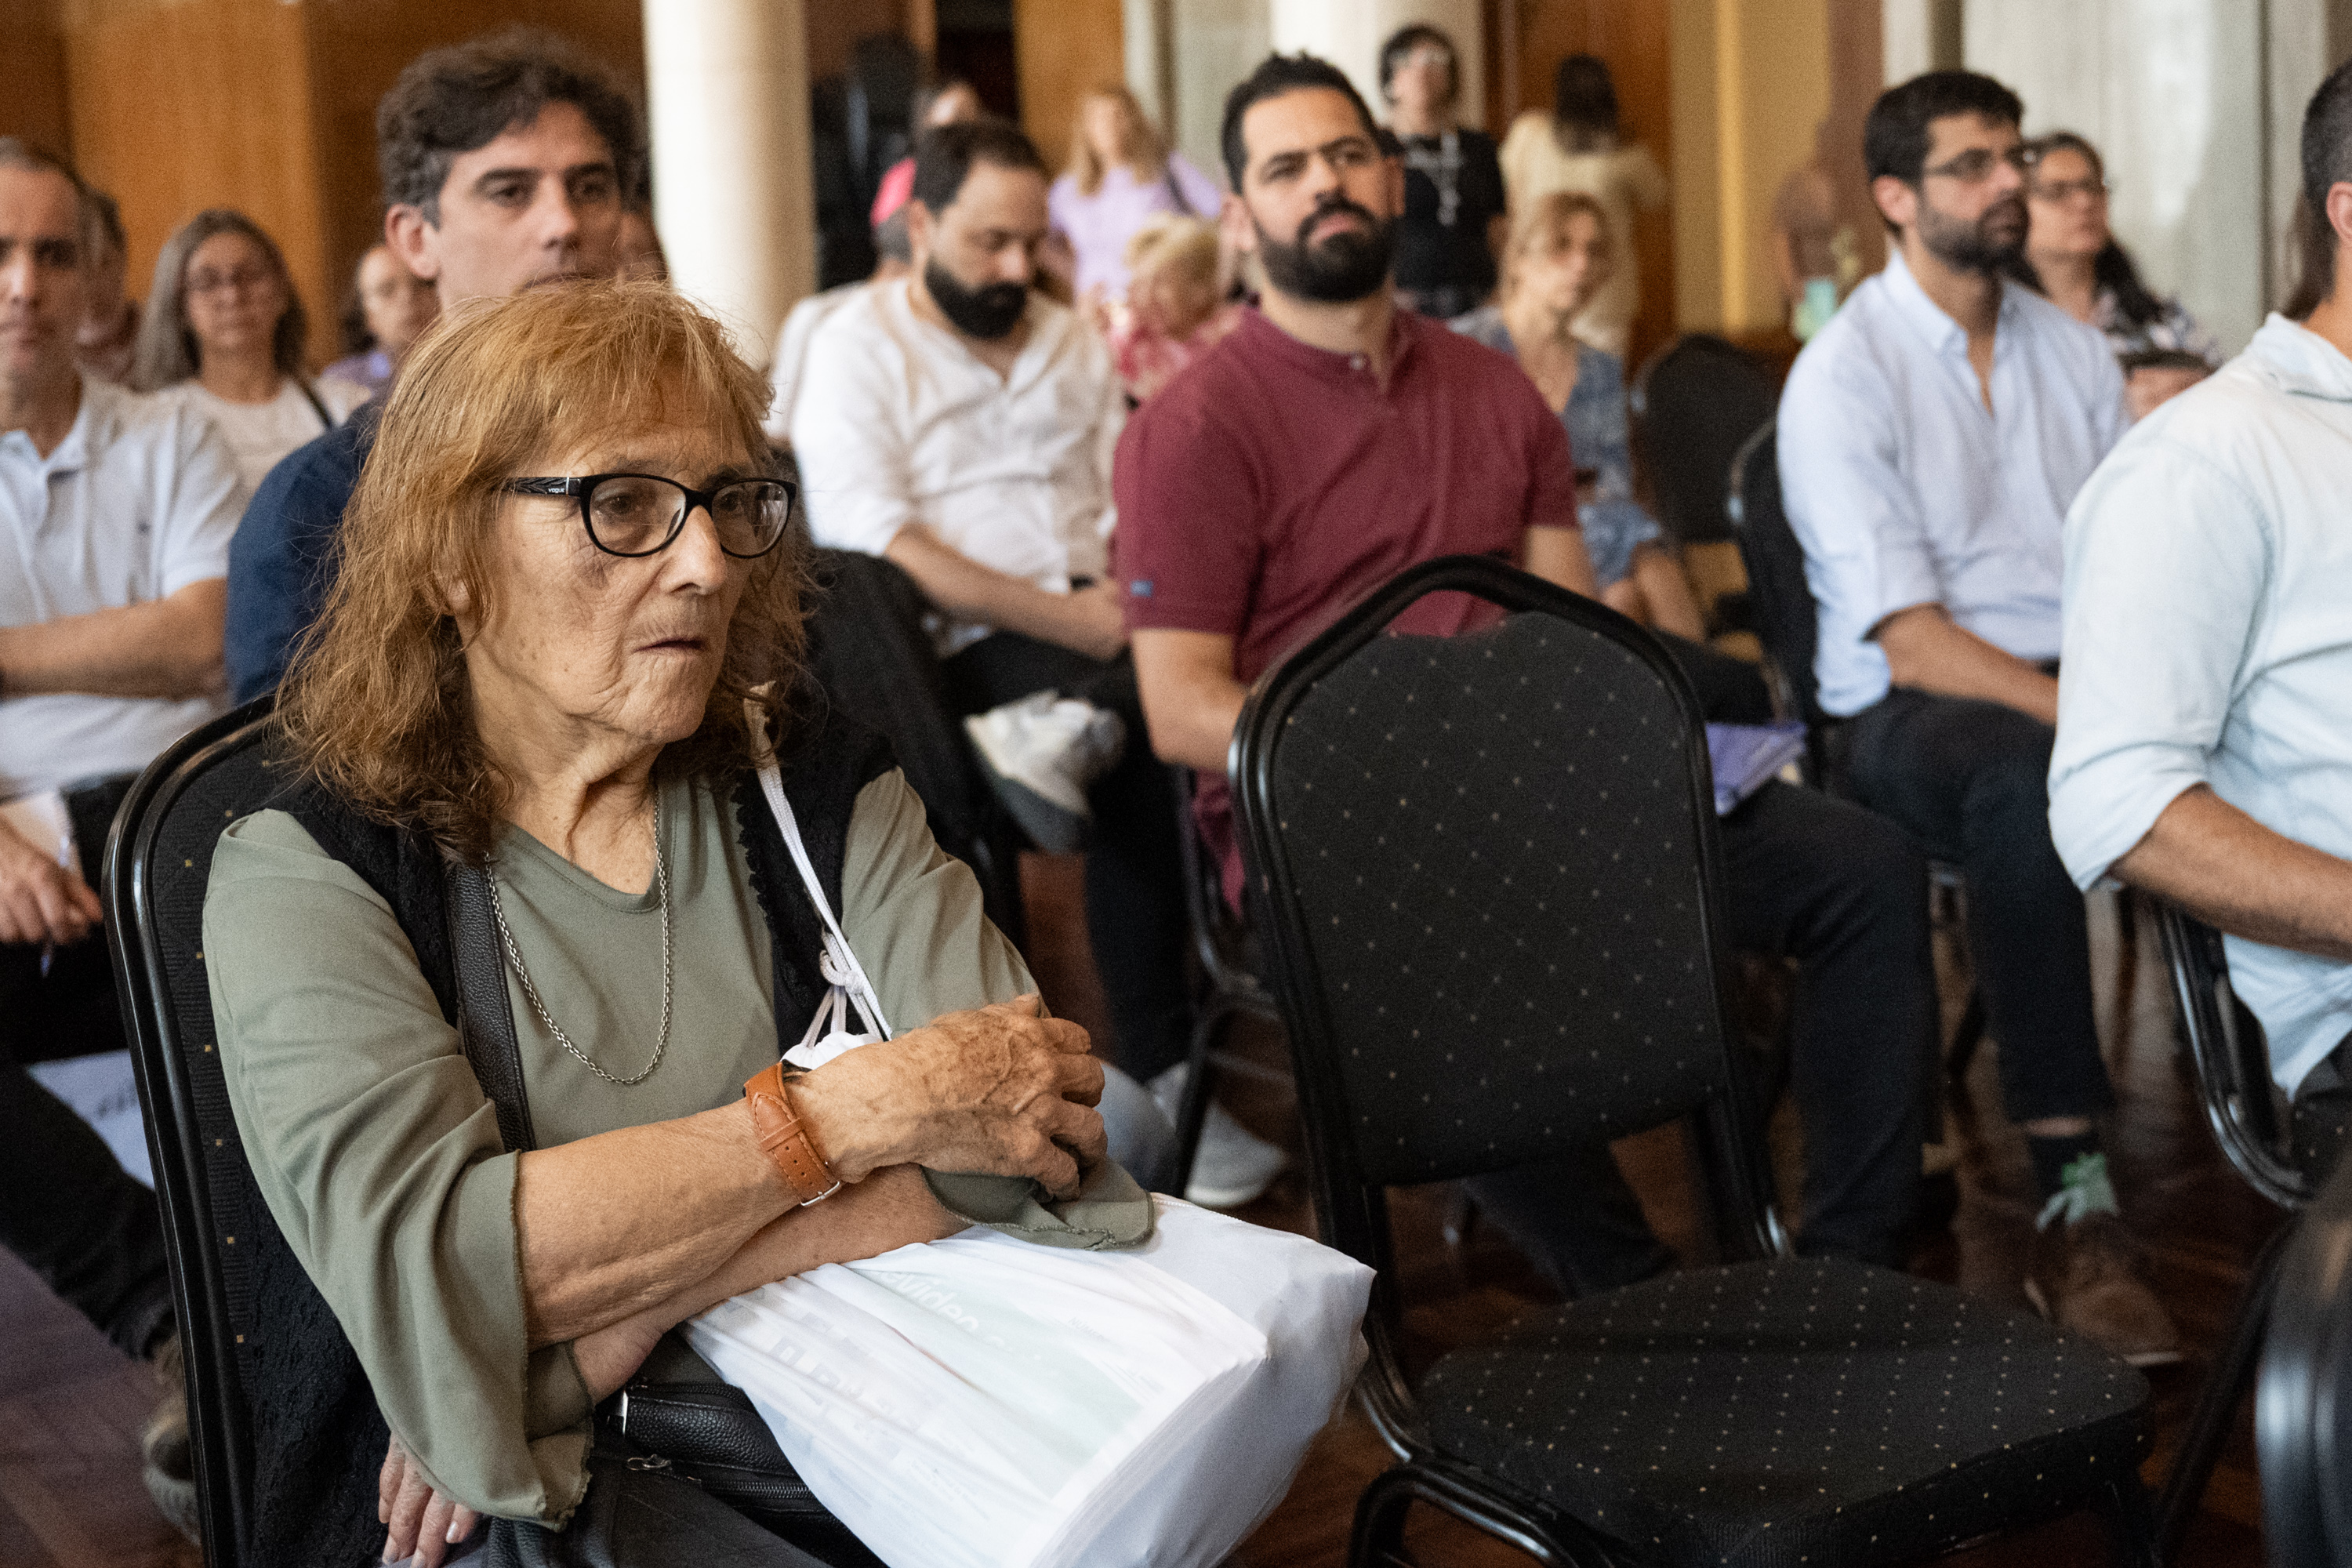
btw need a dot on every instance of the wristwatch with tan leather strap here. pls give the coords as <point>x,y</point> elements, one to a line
<point>784,1140</point>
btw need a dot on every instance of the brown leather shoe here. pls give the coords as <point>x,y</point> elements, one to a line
<point>2085,1277</point>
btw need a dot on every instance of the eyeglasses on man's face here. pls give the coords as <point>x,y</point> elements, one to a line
<point>1976,165</point>
<point>642,514</point>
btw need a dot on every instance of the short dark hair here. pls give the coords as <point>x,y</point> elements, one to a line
<point>1276,76</point>
<point>15,152</point>
<point>1406,39</point>
<point>109,213</point>
<point>1584,102</point>
<point>945,154</point>
<point>1895,137</point>
<point>464,97</point>
<point>2326,164</point>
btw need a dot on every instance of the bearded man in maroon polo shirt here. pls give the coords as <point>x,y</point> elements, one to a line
<point>1334,439</point>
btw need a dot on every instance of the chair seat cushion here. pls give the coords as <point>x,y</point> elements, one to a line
<point>1806,1411</point>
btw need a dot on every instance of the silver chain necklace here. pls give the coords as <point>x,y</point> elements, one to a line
<point>661,1042</point>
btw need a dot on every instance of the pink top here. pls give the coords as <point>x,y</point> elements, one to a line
<point>1147,356</point>
<point>1098,227</point>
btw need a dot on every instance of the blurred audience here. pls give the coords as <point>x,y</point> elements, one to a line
<point>108,339</point>
<point>639,256</point>
<point>1120,176</point>
<point>893,257</point>
<point>503,161</point>
<point>952,101</point>
<point>1927,476</point>
<point>1174,310</point>
<point>1813,253</point>
<point>389,307</point>
<point>1562,254</point>
<point>1334,440</point>
<point>2205,723</point>
<point>1578,147</point>
<point>1454,217</point>
<point>225,329</point>
<point>2074,258</point>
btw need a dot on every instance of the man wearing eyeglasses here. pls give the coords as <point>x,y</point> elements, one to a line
<point>1931,438</point>
<point>503,161</point>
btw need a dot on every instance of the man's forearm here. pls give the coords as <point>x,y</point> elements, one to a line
<point>1191,699</point>
<point>2231,871</point>
<point>969,591</point>
<point>168,648</point>
<point>1926,652</point>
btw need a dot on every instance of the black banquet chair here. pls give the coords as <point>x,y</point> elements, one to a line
<point>1694,401</point>
<point>1492,896</point>
<point>158,859</point>
<point>2303,1405</point>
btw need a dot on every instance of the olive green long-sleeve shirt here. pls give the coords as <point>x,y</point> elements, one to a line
<point>380,1156</point>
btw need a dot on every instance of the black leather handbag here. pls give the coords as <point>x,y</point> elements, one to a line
<point>684,1474</point>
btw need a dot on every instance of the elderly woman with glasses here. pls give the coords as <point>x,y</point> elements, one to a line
<point>2073,256</point>
<point>564,641</point>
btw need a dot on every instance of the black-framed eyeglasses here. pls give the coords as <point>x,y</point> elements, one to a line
<point>1977,163</point>
<point>641,514</point>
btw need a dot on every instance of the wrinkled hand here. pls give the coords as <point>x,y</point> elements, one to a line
<point>40,900</point>
<point>1097,621</point>
<point>420,1521</point>
<point>999,1090</point>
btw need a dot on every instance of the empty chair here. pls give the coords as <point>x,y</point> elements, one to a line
<point>1694,402</point>
<point>1494,923</point>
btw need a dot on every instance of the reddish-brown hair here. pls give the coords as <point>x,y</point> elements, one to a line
<point>377,703</point>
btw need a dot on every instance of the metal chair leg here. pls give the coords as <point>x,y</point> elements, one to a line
<point>1200,1085</point>
<point>1378,1539</point>
<point>2131,1535</point>
<point>2225,1386</point>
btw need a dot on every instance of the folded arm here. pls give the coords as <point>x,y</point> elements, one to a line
<point>167,647</point>
<point>2233,873</point>
<point>1928,651</point>
<point>1088,620</point>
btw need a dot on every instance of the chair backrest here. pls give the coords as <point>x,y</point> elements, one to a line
<point>1780,599</point>
<point>2302,1399</point>
<point>1489,869</point>
<point>158,859</point>
<point>1693,402</point>
<point>2233,1057</point>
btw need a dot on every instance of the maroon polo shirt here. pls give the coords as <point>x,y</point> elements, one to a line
<point>1271,485</point>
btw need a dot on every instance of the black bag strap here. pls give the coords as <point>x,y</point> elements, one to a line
<point>1176,188</point>
<point>318,404</point>
<point>485,1026</point>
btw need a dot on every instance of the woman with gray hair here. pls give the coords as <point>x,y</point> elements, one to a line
<point>225,328</point>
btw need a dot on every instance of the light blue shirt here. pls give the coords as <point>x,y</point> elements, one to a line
<point>1905,491</point>
<point>2208,640</point>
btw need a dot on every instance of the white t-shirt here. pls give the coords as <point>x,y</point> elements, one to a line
<point>259,434</point>
<point>897,422</point>
<point>138,501</point>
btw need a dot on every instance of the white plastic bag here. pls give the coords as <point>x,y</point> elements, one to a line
<point>985,1402</point>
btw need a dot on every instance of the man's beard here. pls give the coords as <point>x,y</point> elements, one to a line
<point>1349,265</point>
<point>988,312</point>
<point>1980,246</point>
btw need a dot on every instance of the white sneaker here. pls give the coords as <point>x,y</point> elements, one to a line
<point>1234,1165</point>
<point>1042,754</point>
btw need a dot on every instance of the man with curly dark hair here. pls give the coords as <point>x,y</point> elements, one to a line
<point>504,161</point>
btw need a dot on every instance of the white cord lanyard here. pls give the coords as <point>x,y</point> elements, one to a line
<point>829,1032</point>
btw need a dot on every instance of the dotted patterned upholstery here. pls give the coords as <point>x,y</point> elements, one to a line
<point>1493,846</point>
<point>1798,1412</point>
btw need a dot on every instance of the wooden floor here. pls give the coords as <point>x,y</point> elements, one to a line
<point>70,1495</point>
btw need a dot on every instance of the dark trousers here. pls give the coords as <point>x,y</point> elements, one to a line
<point>1844,892</point>
<point>1135,880</point>
<point>67,1207</point>
<point>1970,781</point>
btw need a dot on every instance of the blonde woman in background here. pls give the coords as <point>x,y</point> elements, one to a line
<point>1120,176</point>
<point>1175,308</point>
<point>225,329</point>
<point>1576,147</point>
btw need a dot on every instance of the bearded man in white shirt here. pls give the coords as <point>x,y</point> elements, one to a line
<point>1931,438</point>
<point>961,426</point>
<point>2205,730</point>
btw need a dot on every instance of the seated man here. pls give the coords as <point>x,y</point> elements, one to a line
<point>961,426</point>
<point>118,509</point>
<point>503,161</point>
<point>1930,439</point>
<point>2205,724</point>
<point>1333,440</point>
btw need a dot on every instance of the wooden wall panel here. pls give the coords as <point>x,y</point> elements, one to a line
<point>33,101</point>
<point>835,26</point>
<point>1064,47</point>
<point>177,108</point>
<point>1633,38</point>
<point>1857,71</point>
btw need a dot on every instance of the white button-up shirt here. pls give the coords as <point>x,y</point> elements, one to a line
<point>2208,640</point>
<point>897,422</point>
<point>1905,491</point>
<point>137,502</point>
